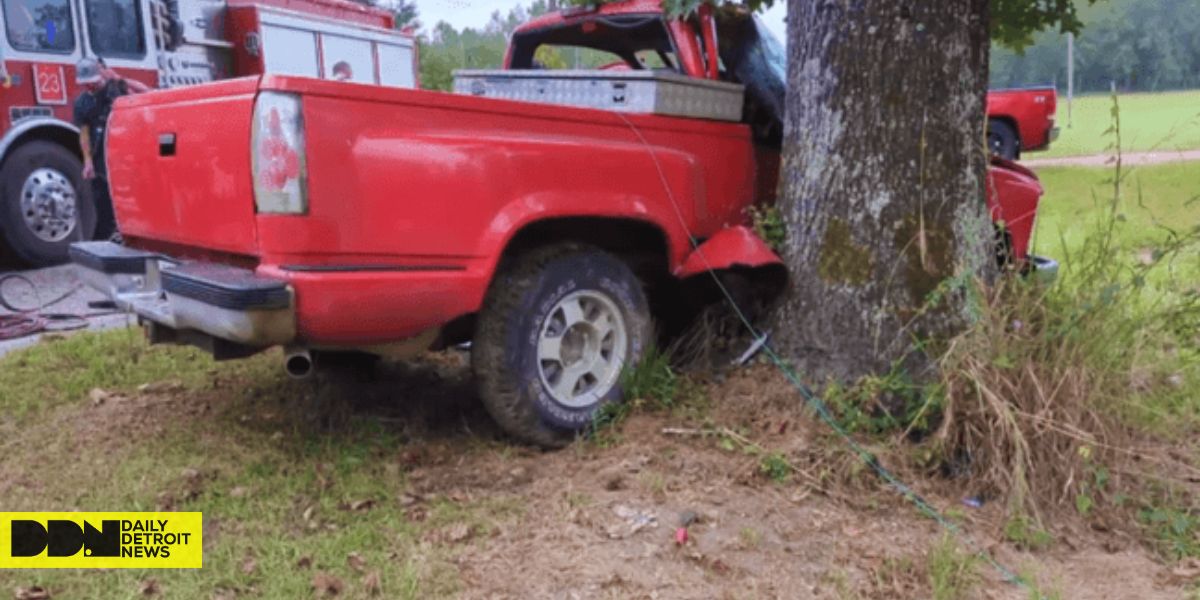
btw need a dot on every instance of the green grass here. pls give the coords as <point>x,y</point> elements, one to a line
<point>296,482</point>
<point>952,572</point>
<point>62,370</point>
<point>1165,121</point>
<point>1159,206</point>
<point>1158,203</point>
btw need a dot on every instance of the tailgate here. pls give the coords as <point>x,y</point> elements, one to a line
<point>179,166</point>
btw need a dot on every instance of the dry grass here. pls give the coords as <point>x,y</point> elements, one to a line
<point>1056,388</point>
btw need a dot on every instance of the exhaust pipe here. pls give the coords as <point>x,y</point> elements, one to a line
<point>298,363</point>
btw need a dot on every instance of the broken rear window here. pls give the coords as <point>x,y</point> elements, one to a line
<point>622,42</point>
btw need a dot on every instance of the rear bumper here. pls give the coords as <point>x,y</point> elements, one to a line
<point>1050,135</point>
<point>226,303</point>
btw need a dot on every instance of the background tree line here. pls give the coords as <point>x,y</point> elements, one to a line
<point>1142,45</point>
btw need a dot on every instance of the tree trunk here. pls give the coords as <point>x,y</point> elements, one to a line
<point>882,186</point>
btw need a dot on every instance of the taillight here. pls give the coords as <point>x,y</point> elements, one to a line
<point>280,175</point>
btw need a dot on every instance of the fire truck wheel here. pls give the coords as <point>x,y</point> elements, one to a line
<point>46,203</point>
<point>558,330</point>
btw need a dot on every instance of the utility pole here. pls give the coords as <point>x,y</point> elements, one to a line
<point>1070,75</point>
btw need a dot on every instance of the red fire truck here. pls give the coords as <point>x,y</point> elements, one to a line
<point>44,202</point>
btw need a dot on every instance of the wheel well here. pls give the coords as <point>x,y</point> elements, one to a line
<point>57,135</point>
<point>1012,124</point>
<point>642,245</point>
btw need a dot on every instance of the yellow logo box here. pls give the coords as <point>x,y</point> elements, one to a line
<point>101,540</point>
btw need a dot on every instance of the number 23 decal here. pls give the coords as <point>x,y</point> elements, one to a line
<point>50,84</point>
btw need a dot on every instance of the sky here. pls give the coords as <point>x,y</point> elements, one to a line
<point>475,13</point>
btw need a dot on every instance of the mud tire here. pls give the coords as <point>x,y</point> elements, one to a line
<point>505,357</point>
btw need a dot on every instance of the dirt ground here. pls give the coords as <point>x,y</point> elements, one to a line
<point>1102,160</point>
<point>602,520</point>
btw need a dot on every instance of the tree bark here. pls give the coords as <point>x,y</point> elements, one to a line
<point>882,185</point>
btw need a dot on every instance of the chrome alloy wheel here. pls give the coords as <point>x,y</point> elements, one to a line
<point>48,204</point>
<point>581,348</point>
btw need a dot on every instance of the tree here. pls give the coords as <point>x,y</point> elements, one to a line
<point>404,11</point>
<point>1114,45</point>
<point>882,181</point>
<point>406,14</point>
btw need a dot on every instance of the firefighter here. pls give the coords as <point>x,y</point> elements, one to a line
<point>102,86</point>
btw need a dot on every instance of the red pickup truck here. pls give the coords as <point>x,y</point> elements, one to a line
<point>1021,120</point>
<point>330,217</point>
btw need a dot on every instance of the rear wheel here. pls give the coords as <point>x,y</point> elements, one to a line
<point>559,328</point>
<point>1002,140</point>
<point>46,203</point>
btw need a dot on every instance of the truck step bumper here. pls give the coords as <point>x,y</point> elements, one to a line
<point>226,303</point>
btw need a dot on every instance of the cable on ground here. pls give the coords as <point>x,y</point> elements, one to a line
<point>25,321</point>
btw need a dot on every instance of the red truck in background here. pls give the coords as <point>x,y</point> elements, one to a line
<point>1021,120</point>
<point>44,202</point>
<point>331,217</point>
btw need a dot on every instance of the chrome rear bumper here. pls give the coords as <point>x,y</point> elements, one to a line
<point>226,303</point>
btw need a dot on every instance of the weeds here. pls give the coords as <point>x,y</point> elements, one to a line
<point>1054,383</point>
<point>651,384</point>
<point>952,571</point>
<point>1175,531</point>
<point>750,537</point>
<point>889,403</point>
<point>768,224</point>
<point>652,380</point>
<point>775,466</point>
<point>1025,533</point>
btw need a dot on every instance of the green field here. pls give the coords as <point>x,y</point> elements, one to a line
<point>1157,202</point>
<point>1163,121</point>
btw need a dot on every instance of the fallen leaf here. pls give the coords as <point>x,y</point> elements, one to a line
<point>1187,570</point>
<point>325,584</point>
<point>408,499</point>
<point>166,502</point>
<point>160,387</point>
<point>371,584</point>
<point>149,587</point>
<point>1147,256</point>
<point>249,565</point>
<point>238,492</point>
<point>98,396</point>
<point>223,594</point>
<point>32,593</point>
<point>359,505</point>
<point>356,562</point>
<point>304,562</point>
<point>458,533</point>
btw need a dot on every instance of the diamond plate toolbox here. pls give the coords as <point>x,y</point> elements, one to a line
<point>655,92</point>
